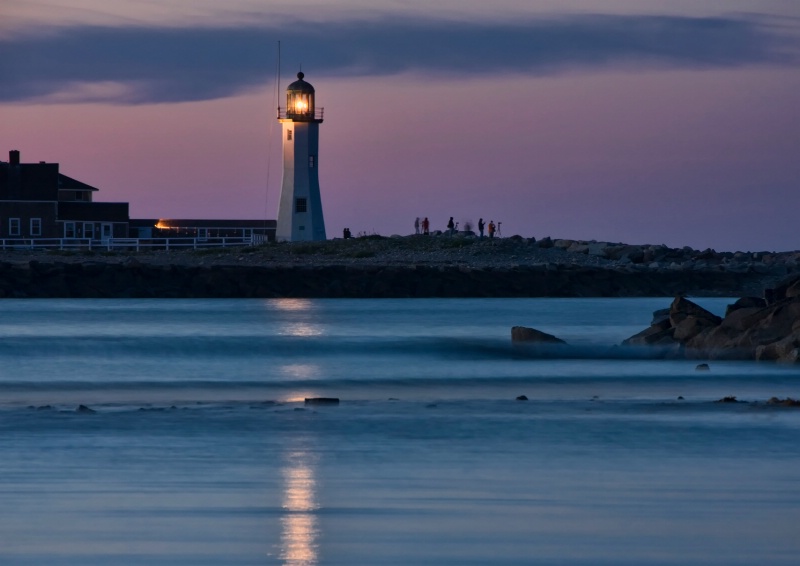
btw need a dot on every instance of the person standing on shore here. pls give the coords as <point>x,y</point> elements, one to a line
<point>451,227</point>
<point>425,225</point>
<point>480,227</point>
<point>491,229</point>
<point>416,226</point>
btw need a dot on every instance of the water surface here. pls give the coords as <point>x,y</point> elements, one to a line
<point>199,449</point>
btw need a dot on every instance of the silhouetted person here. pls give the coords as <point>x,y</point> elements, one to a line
<point>481,226</point>
<point>451,227</point>
<point>426,226</point>
<point>416,225</point>
<point>491,228</point>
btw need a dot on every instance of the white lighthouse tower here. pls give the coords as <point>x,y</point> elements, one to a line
<point>300,209</point>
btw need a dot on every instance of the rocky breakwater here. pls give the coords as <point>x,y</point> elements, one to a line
<point>138,279</point>
<point>410,266</point>
<point>753,328</point>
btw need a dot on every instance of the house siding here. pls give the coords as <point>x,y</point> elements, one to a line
<point>34,190</point>
<point>25,210</point>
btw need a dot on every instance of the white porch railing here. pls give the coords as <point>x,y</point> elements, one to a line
<point>137,244</point>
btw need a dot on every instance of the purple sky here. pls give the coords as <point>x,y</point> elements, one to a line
<point>631,121</point>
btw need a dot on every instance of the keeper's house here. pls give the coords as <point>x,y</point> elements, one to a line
<point>36,201</point>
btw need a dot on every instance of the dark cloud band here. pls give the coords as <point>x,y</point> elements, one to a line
<point>181,64</point>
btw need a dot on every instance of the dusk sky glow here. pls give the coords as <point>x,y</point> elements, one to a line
<point>635,121</point>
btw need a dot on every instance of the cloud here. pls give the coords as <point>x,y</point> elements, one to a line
<point>157,64</point>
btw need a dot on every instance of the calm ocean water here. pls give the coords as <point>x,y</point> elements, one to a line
<point>200,450</point>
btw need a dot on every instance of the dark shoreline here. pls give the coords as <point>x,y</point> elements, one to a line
<point>138,280</point>
<point>397,267</point>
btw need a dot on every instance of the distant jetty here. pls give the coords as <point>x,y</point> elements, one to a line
<point>409,266</point>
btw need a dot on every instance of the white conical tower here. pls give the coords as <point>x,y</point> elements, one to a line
<point>300,209</point>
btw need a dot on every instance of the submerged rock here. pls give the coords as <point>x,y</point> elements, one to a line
<point>523,334</point>
<point>788,402</point>
<point>654,335</point>
<point>322,401</point>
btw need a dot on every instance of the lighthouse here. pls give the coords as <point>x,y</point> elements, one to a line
<point>300,209</point>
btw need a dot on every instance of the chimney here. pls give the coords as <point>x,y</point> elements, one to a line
<point>13,157</point>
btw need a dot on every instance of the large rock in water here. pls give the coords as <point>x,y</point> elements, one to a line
<point>677,325</point>
<point>525,335</point>
<point>786,350</point>
<point>692,326</point>
<point>682,308</point>
<point>654,335</point>
<point>746,303</point>
<point>751,330</point>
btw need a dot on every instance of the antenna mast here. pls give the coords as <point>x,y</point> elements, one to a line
<point>269,141</point>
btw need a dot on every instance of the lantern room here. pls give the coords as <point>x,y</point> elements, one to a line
<point>300,101</point>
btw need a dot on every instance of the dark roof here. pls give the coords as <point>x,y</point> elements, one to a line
<point>300,85</point>
<point>69,184</point>
<point>29,181</point>
<point>93,211</point>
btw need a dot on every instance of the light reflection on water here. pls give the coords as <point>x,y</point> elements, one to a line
<point>301,329</point>
<point>292,304</point>
<point>300,529</point>
<point>300,371</point>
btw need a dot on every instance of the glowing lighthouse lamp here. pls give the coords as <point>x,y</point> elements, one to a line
<point>300,209</point>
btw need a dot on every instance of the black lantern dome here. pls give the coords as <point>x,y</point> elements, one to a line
<point>300,99</point>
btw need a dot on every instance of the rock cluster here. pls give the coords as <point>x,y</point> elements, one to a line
<point>752,329</point>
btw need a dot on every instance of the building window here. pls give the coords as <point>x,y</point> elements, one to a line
<point>69,229</point>
<point>13,226</point>
<point>88,230</point>
<point>36,226</point>
<point>311,160</point>
<point>301,205</point>
<point>202,234</point>
<point>78,195</point>
<point>289,135</point>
